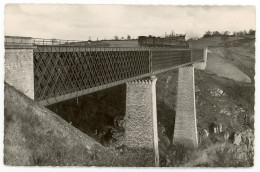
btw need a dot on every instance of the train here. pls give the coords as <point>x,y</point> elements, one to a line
<point>170,42</point>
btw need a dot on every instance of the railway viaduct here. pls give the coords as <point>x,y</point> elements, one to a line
<point>53,71</point>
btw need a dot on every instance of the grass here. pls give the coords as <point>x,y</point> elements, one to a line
<point>136,157</point>
<point>36,136</point>
<point>220,154</point>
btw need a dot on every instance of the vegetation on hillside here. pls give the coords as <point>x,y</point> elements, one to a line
<point>227,33</point>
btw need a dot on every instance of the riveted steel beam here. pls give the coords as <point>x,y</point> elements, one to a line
<point>64,72</point>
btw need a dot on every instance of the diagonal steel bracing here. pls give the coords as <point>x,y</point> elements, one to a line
<point>64,72</point>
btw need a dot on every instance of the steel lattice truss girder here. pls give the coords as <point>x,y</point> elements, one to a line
<point>197,55</point>
<point>62,71</point>
<point>166,58</point>
<point>58,73</point>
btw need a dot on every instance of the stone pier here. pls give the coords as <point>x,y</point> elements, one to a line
<point>19,64</point>
<point>185,130</point>
<point>141,116</point>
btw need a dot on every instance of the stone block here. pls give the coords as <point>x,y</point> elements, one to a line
<point>19,67</point>
<point>139,115</point>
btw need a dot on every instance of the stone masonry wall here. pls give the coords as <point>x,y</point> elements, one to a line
<point>202,65</point>
<point>19,70</point>
<point>139,115</point>
<point>185,130</point>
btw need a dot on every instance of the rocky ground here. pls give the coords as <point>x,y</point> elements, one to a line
<point>225,120</point>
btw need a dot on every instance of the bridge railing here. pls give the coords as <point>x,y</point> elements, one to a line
<point>55,42</point>
<point>16,40</point>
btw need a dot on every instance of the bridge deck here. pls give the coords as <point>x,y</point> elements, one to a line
<point>64,72</point>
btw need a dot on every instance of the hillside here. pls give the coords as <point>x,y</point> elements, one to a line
<point>233,55</point>
<point>36,136</point>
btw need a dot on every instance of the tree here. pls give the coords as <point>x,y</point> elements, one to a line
<point>251,32</point>
<point>128,37</point>
<point>207,34</point>
<point>116,38</point>
<point>122,38</point>
<point>226,33</point>
<point>172,34</point>
<point>241,33</point>
<point>216,33</point>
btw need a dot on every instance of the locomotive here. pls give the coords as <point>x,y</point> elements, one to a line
<point>171,42</point>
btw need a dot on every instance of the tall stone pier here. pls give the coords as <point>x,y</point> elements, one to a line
<point>19,64</point>
<point>185,130</point>
<point>141,116</point>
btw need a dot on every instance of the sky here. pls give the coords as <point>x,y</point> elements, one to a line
<point>81,22</point>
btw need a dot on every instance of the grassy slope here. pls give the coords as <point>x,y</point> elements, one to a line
<point>218,65</point>
<point>233,55</point>
<point>212,41</point>
<point>238,51</point>
<point>241,53</point>
<point>34,135</point>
